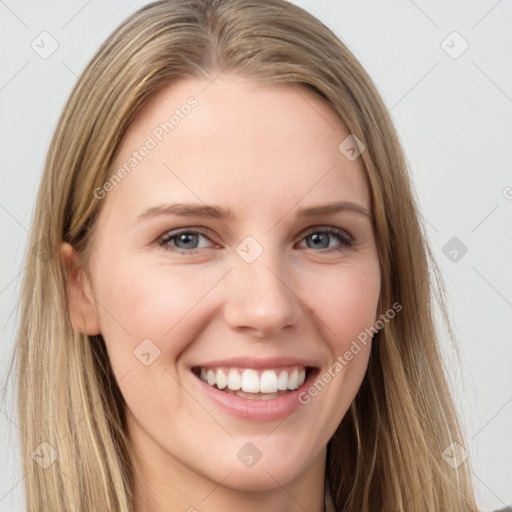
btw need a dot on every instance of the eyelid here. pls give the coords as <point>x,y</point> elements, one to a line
<point>345,238</point>
<point>330,229</point>
<point>174,233</point>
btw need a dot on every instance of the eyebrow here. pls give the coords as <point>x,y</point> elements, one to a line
<point>216,212</point>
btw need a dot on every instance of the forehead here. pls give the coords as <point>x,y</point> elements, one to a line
<point>250,143</point>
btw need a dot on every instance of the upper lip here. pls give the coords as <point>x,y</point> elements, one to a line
<point>258,363</point>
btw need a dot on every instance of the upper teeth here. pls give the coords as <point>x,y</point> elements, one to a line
<point>252,381</point>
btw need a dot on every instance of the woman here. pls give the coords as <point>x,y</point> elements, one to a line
<point>235,313</point>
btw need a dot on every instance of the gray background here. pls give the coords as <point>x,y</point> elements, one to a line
<point>454,117</point>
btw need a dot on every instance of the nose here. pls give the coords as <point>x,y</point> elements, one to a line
<point>261,296</point>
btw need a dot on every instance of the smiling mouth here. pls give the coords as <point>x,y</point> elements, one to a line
<point>254,384</point>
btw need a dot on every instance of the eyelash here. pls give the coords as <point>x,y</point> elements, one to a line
<point>346,242</point>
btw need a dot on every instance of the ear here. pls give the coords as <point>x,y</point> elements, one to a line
<point>82,308</point>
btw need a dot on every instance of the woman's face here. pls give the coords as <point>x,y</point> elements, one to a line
<point>206,261</point>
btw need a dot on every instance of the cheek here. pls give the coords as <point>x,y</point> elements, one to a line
<point>346,301</point>
<point>152,302</point>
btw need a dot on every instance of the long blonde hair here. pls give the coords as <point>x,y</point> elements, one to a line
<point>387,451</point>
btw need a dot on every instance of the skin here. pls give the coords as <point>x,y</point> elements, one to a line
<point>263,151</point>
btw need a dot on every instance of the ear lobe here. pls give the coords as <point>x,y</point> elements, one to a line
<point>82,308</point>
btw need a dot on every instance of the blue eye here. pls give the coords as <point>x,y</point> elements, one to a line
<point>186,242</point>
<point>320,238</point>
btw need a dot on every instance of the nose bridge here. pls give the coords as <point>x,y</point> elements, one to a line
<point>259,295</point>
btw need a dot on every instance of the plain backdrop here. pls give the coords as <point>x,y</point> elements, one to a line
<point>443,68</point>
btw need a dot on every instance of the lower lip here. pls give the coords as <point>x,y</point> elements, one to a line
<point>255,410</point>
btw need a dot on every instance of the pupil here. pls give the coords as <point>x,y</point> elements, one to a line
<point>318,238</point>
<point>187,238</point>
